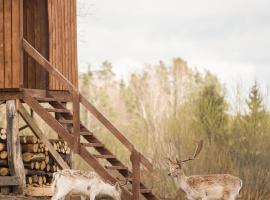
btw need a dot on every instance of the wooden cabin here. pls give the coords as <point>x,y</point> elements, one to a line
<point>38,69</point>
<point>50,27</point>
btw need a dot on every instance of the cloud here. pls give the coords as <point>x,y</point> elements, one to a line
<point>231,38</point>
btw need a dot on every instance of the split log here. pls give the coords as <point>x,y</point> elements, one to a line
<point>42,165</point>
<point>28,140</point>
<point>31,148</point>
<point>30,165</point>
<point>29,180</point>
<point>37,165</point>
<point>3,163</point>
<point>3,146</point>
<point>3,155</point>
<point>44,179</point>
<point>37,180</point>
<point>33,157</point>
<point>4,171</point>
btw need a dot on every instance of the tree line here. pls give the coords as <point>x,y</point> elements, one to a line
<point>165,109</point>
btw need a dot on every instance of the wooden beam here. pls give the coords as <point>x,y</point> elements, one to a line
<point>114,130</point>
<point>4,95</point>
<point>15,161</point>
<point>37,131</point>
<point>136,174</point>
<point>23,127</point>
<point>9,180</point>
<point>21,39</point>
<point>76,121</point>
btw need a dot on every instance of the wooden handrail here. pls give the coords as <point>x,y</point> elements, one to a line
<point>62,79</point>
<point>77,99</point>
<point>114,131</point>
<point>28,48</point>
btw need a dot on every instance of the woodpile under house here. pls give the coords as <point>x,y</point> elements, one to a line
<point>39,165</point>
<point>39,71</point>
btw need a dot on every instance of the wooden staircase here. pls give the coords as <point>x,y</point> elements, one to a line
<point>67,124</point>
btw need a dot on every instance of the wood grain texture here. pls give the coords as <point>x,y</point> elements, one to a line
<point>15,161</point>
<point>136,160</point>
<point>16,47</point>
<point>8,44</point>
<point>36,33</point>
<point>2,58</point>
<point>62,32</point>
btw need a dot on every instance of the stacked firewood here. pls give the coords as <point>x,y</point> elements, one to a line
<point>38,163</point>
<point>4,171</point>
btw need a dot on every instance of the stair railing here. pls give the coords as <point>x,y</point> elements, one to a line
<point>32,52</point>
<point>78,98</point>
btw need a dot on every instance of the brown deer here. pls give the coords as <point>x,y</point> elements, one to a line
<point>204,187</point>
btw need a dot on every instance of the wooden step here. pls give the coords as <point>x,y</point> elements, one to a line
<point>95,144</point>
<point>49,99</point>
<point>116,167</point>
<point>104,156</point>
<point>145,191</point>
<point>65,121</point>
<point>57,110</point>
<point>86,133</point>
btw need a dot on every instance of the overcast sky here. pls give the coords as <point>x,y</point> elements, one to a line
<point>229,37</point>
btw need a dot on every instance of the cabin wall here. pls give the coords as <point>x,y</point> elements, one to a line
<point>63,41</point>
<point>48,25</point>
<point>10,46</point>
<point>35,31</point>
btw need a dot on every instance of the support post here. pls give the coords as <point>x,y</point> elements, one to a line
<point>136,174</point>
<point>15,161</point>
<point>76,121</point>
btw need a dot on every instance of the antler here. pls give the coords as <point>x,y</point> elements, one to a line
<point>170,160</point>
<point>196,153</point>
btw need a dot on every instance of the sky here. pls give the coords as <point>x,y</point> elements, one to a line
<point>231,38</point>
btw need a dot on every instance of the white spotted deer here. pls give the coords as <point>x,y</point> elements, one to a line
<point>204,187</point>
<point>88,184</point>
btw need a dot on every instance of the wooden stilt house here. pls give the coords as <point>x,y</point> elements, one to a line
<point>38,67</point>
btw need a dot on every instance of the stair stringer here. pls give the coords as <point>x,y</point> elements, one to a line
<point>65,135</point>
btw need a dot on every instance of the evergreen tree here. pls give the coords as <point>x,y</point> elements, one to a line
<point>211,113</point>
<point>256,118</point>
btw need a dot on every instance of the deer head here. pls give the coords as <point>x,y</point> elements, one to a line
<point>175,167</point>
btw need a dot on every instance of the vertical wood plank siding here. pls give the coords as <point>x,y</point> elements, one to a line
<point>48,25</point>
<point>2,58</point>
<point>62,41</point>
<point>36,33</point>
<point>10,60</point>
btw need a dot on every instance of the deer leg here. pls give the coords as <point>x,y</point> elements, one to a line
<point>83,197</point>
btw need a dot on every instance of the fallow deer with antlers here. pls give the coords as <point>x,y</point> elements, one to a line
<point>204,187</point>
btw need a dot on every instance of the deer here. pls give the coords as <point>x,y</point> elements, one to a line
<point>87,184</point>
<point>204,187</point>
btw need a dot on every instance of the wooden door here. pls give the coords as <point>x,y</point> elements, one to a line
<point>35,31</point>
